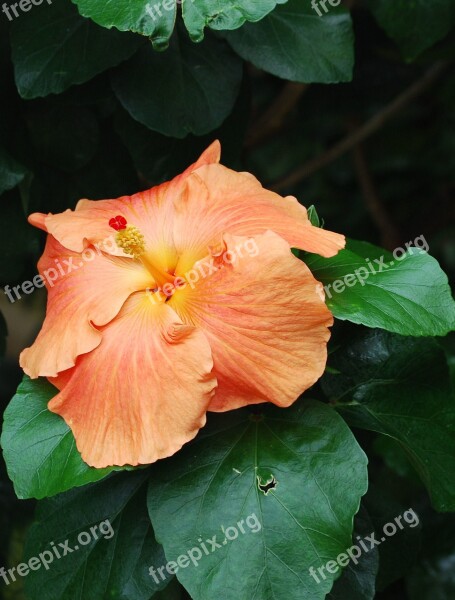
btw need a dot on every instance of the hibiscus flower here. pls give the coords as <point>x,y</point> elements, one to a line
<point>179,300</point>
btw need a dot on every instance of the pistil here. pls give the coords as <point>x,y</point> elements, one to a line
<point>130,239</point>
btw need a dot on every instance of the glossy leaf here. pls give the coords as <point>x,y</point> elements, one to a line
<point>38,446</point>
<point>296,44</point>
<point>292,479</point>
<point>407,294</point>
<point>156,19</point>
<point>115,565</point>
<point>182,90</point>
<point>53,47</point>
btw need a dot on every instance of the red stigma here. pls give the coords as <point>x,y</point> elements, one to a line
<point>118,223</point>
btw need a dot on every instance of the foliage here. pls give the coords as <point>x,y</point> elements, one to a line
<point>102,99</point>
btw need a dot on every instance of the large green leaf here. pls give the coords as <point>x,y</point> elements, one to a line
<point>11,172</point>
<point>140,16</point>
<point>113,566</point>
<point>295,43</point>
<point>408,294</point>
<point>292,479</point>
<point>39,447</point>
<point>416,25</point>
<point>53,47</point>
<point>182,90</point>
<point>401,387</point>
<point>159,158</point>
<point>156,19</point>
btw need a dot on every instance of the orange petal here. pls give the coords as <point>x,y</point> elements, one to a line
<point>266,321</point>
<point>143,392</point>
<point>219,200</point>
<point>88,291</point>
<point>151,211</point>
<point>38,220</point>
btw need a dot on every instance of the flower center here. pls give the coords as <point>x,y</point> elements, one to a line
<point>130,239</point>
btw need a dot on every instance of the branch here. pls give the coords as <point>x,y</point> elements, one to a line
<point>273,118</point>
<point>390,237</point>
<point>366,130</point>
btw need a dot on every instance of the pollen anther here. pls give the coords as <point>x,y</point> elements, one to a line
<point>131,241</point>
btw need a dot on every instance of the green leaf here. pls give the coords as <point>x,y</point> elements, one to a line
<point>38,446</point>
<point>416,25</point>
<point>159,158</point>
<point>313,216</point>
<point>11,172</point>
<point>408,294</point>
<point>294,43</point>
<point>113,566</point>
<point>182,90</point>
<point>292,479</point>
<point>53,47</point>
<point>156,19</point>
<point>401,387</point>
<point>148,17</point>
<point>223,14</point>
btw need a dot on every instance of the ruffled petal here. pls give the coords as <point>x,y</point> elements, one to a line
<point>85,291</point>
<point>265,318</point>
<point>143,392</point>
<point>151,211</point>
<point>219,200</point>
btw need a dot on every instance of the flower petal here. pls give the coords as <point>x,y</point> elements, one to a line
<point>143,392</point>
<point>219,200</point>
<point>83,290</point>
<point>266,321</point>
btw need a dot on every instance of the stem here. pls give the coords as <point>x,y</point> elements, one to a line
<point>366,130</point>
